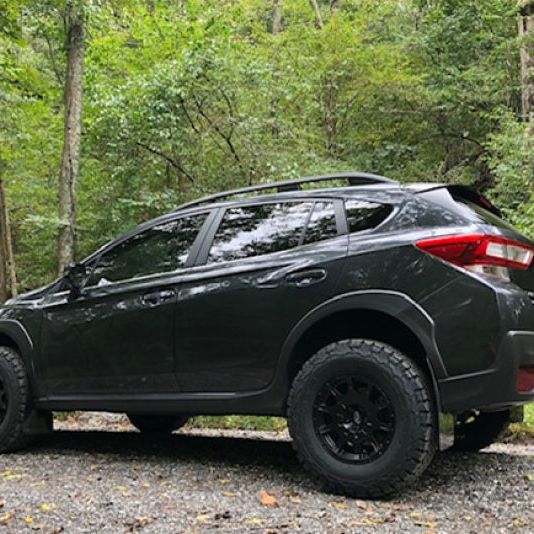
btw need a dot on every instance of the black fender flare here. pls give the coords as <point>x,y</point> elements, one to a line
<point>392,303</point>
<point>15,331</point>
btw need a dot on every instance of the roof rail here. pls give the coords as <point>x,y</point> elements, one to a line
<point>353,179</point>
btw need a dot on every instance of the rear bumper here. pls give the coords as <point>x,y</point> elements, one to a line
<point>494,388</point>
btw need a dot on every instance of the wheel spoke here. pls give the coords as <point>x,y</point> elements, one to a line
<point>354,419</point>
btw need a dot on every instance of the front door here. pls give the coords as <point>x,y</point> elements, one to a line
<point>266,266</point>
<point>118,336</point>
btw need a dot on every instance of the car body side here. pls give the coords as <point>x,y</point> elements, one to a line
<point>467,332</point>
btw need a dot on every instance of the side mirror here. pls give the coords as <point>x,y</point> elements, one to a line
<point>75,276</point>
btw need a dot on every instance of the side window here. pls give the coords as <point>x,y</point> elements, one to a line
<point>322,223</point>
<point>254,230</point>
<point>362,215</point>
<point>160,249</point>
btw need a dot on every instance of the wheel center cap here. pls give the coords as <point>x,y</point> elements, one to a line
<point>356,417</point>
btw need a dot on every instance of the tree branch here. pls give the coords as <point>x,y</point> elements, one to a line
<point>168,159</point>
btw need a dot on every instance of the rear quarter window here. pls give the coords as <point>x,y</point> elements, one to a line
<point>364,215</point>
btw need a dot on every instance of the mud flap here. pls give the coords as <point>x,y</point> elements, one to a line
<point>38,422</point>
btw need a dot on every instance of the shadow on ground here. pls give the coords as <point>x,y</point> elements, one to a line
<point>273,457</point>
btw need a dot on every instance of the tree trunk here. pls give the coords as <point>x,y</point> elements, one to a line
<point>526,33</point>
<point>70,163</point>
<point>276,17</point>
<point>276,28</point>
<point>8,279</point>
<point>318,18</point>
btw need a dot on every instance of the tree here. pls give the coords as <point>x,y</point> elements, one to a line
<point>8,280</point>
<point>70,164</point>
<point>526,34</point>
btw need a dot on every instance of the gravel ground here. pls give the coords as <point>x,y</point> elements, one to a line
<point>105,478</point>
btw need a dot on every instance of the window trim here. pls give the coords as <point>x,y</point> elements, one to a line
<point>339,211</point>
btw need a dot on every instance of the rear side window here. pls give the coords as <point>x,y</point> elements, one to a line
<point>160,249</point>
<point>254,230</point>
<point>362,215</point>
<point>322,223</point>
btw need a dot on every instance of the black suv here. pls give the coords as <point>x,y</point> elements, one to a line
<point>366,312</point>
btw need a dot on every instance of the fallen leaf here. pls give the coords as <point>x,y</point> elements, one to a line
<point>255,521</point>
<point>295,500</point>
<point>224,481</point>
<point>6,518</point>
<point>415,515</point>
<point>139,523</point>
<point>28,520</point>
<point>340,505</point>
<point>427,524</point>
<point>229,494</point>
<point>45,507</point>
<point>202,518</point>
<point>267,499</point>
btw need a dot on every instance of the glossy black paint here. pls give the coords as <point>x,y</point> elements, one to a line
<point>220,333</point>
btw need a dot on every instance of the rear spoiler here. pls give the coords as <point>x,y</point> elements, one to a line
<point>459,193</point>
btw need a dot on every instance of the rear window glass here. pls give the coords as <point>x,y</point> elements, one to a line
<point>363,215</point>
<point>482,215</point>
<point>256,230</point>
<point>322,223</point>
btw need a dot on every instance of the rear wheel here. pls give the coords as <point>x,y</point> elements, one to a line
<point>157,424</point>
<point>478,430</point>
<point>14,401</point>
<point>362,418</point>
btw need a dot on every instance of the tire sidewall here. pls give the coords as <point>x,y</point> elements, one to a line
<point>16,400</point>
<point>407,428</point>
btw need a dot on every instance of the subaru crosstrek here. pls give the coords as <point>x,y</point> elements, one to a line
<point>369,313</point>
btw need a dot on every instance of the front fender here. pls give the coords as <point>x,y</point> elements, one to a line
<point>15,331</point>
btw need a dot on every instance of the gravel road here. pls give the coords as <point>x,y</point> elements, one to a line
<point>106,478</point>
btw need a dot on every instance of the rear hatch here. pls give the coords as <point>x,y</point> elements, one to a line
<point>479,210</point>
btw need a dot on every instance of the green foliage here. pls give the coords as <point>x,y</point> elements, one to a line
<point>511,160</point>
<point>240,422</point>
<point>186,98</point>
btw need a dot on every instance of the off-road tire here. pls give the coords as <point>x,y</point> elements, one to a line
<point>414,441</point>
<point>16,397</point>
<point>480,430</point>
<point>157,424</point>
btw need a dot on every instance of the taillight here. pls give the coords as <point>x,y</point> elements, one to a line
<point>525,380</point>
<point>485,254</point>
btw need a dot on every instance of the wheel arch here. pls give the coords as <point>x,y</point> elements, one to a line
<point>386,316</point>
<point>14,335</point>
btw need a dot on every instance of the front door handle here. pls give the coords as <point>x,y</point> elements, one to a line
<point>157,297</point>
<point>307,277</point>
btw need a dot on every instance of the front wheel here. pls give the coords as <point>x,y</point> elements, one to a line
<point>15,401</point>
<point>157,424</point>
<point>362,418</point>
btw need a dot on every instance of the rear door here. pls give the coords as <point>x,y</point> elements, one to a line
<point>261,269</point>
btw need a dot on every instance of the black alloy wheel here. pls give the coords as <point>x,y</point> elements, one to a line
<point>354,419</point>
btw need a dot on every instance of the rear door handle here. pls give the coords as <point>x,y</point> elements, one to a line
<point>156,297</point>
<point>306,278</point>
